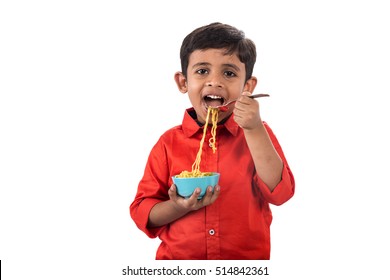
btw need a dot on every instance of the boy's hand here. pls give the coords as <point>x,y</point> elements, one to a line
<point>247,112</point>
<point>193,203</point>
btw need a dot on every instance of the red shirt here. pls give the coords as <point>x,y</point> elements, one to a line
<point>237,224</point>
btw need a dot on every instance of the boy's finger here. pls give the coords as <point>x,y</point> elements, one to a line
<point>172,192</point>
<point>211,194</point>
<point>194,197</point>
<point>216,193</point>
<point>206,198</point>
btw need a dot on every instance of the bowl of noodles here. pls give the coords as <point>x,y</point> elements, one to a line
<point>186,185</point>
<point>187,181</point>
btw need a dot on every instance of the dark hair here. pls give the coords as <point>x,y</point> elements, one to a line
<point>219,36</point>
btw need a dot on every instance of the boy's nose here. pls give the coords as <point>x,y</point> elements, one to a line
<point>213,83</point>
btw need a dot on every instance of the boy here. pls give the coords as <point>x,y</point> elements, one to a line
<point>233,220</point>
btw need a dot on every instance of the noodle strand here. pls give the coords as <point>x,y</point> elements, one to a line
<point>212,141</point>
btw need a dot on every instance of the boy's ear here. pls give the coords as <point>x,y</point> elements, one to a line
<point>250,85</point>
<point>181,82</point>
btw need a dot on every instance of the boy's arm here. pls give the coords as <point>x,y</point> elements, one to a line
<point>268,164</point>
<point>176,207</point>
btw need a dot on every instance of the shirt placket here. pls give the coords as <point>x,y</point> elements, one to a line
<point>212,211</point>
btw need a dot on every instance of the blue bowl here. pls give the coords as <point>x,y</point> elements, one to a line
<point>186,186</point>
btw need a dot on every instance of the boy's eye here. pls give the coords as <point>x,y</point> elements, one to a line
<point>230,74</point>
<point>202,71</point>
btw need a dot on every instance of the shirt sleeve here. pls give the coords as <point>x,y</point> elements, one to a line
<point>286,187</point>
<point>152,189</point>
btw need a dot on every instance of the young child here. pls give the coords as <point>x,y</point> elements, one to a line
<point>233,220</point>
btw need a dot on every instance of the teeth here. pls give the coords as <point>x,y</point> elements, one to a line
<point>214,97</point>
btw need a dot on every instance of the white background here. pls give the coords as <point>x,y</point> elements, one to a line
<point>87,88</point>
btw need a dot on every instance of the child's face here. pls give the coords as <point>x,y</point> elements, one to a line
<point>213,78</point>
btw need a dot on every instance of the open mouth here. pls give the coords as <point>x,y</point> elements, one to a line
<point>213,100</point>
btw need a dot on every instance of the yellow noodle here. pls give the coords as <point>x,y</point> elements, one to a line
<point>212,141</point>
<point>214,120</point>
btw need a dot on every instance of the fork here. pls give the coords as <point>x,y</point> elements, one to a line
<point>224,107</point>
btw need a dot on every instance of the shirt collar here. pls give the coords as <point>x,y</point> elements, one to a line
<point>191,126</point>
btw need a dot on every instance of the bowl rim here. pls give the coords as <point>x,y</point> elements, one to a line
<point>203,177</point>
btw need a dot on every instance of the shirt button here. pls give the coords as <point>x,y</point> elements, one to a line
<point>211,232</point>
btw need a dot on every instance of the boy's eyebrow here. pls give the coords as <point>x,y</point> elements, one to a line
<point>235,67</point>
<point>199,64</point>
<point>229,65</point>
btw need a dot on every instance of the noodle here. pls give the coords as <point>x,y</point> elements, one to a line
<point>212,141</point>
